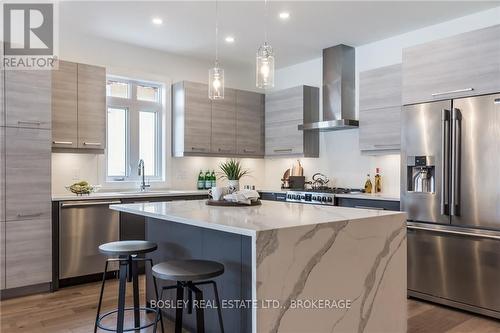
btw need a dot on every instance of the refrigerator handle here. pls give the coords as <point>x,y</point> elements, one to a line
<point>455,162</point>
<point>445,159</point>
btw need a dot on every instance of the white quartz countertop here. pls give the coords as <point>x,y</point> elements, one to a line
<point>127,194</point>
<point>270,215</point>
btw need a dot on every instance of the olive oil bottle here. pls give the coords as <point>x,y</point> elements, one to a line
<point>368,184</point>
<point>378,181</point>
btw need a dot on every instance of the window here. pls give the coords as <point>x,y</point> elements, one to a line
<point>134,129</point>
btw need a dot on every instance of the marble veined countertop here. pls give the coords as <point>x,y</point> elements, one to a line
<point>271,215</point>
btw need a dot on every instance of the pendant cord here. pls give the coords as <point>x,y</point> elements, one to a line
<point>216,33</point>
<point>265,21</point>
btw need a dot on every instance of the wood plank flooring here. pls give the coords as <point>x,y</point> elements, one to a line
<point>72,310</point>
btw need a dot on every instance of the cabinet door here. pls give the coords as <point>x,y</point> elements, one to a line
<point>27,174</point>
<point>380,87</point>
<point>283,114</point>
<point>28,252</point>
<point>2,174</point>
<point>28,98</point>
<point>464,65</point>
<point>2,100</point>
<point>380,129</point>
<point>224,124</point>
<point>197,119</point>
<point>64,106</point>
<point>2,254</point>
<point>91,107</point>
<point>249,123</point>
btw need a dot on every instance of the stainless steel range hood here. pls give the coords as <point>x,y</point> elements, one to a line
<point>338,90</point>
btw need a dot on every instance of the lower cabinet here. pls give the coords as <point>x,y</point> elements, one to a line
<point>28,252</point>
<point>2,255</point>
<point>368,204</point>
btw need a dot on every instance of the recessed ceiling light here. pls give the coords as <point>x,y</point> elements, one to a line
<point>284,15</point>
<point>157,21</point>
<point>229,39</point>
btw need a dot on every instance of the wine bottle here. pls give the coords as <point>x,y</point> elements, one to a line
<point>214,179</point>
<point>208,180</point>
<point>201,181</point>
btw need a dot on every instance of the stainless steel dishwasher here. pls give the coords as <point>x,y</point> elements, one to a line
<point>83,226</point>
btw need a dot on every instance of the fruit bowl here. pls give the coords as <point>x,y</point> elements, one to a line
<point>82,188</point>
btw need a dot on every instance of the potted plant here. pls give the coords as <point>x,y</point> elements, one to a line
<point>233,171</point>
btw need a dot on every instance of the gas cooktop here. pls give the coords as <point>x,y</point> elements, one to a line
<point>319,196</point>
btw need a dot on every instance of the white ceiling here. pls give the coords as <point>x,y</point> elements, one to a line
<point>188,26</point>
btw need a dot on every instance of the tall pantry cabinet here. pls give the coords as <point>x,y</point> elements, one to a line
<point>25,193</point>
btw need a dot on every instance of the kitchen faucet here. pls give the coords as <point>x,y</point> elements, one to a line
<point>142,173</point>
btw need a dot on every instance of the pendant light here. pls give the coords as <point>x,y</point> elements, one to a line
<point>216,74</point>
<point>264,73</point>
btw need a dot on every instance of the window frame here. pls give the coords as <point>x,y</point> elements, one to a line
<point>134,107</point>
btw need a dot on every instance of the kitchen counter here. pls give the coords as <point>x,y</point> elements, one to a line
<point>288,253</point>
<point>127,194</point>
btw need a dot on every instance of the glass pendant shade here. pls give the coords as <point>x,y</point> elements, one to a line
<point>216,82</point>
<point>265,67</point>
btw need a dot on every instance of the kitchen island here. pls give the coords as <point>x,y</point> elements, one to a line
<point>289,267</point>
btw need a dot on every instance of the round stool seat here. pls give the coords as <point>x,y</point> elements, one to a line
<point>187,270</point>
<point>126,248</point>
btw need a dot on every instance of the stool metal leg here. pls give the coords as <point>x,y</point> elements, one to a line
<point>100,296</point>
<point>217,301</point>
<point>120,319</point>
<point>179,310</point>
<point>200,316</point>
<point>135,288</point>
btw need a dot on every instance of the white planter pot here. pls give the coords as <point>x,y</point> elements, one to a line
<point>233,185</point>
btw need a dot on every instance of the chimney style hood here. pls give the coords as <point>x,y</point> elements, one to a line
<point>338,90</point>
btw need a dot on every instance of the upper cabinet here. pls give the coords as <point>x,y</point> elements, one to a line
<point>27,98</point>
<point>91,107</point>
<point>285,110</point>
<point>64,105</point>
<point>232,126</point>
<point>464,65</point>
<point>78,106</point>
<point>249,123</point>
<point>380,109</point>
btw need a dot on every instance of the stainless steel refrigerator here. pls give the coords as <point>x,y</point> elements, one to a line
<point>450,189</point>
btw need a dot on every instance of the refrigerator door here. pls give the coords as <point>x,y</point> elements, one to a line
<point>425,133</point>
<point>476,164</point>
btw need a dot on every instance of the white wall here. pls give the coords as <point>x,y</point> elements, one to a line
<point>340,157</point>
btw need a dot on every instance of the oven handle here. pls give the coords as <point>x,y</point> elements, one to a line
<point>454,232</point>
<point>89,203</point>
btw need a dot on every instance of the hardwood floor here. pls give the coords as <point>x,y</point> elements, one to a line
<point>72,310</point>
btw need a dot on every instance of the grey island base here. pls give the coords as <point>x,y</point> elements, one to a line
<point>288,267</point>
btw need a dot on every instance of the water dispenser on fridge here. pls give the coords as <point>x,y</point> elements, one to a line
<point>421,174</point>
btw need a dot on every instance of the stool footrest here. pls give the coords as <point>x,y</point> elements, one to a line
<point>145,309</point>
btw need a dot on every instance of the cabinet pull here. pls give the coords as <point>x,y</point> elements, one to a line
<point>89,203</point>
<point>197,148</point>
<point>369,207</point>
<point>452,92</point>
<point>387,146</point>
<point>224,150</point>
<point>38,123</point>
<point>283,150</point>
<point>21,215</point>
<point>92,143</point>
<point>453,232</point>
<point>251,151</point>
<point>62,142</point>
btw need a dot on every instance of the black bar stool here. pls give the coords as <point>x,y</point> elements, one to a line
<point>190,274</point>
<point>125,253</point>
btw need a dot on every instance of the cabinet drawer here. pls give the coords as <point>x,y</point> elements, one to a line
<point>28,252</point>
<point>27,174</point>
<point>464,65</point>
<point>28,98</point>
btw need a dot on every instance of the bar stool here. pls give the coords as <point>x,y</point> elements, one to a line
<point>125,253</point>
<point>189,274</point>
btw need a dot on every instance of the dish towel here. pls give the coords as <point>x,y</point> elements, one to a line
<point>243,196</point>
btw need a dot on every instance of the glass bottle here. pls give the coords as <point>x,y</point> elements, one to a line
<point>368,184</point>
<point>208,180</point>
<point>213,178</point>
<point>201,181</point>
<point>378,181</point>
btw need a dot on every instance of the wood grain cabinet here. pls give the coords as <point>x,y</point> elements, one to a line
<point>27,174</point>
<point>284,111</point>
<point>91,107</point>
<point>78,107</point>
<point>65,106</point>
<point>380,109</point>
<point>249,123</point>
<point>28,254</point>
<point>27,98</point>
<point>223,140</point>
<point>231,127</point>
<point>463,65</point>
